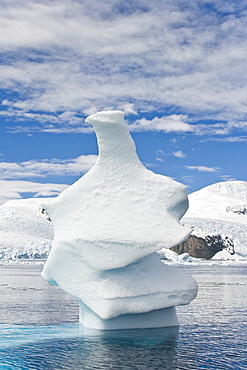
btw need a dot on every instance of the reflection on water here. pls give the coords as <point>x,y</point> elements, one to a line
<point>126,349</point>
<point>212,334</point>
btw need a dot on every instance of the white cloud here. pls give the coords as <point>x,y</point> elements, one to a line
<point>188,179</point>
<point>128,108</point>
<point>44,168</point>
<point>159,159</point>
<point>16,189</point>
<point>173,123</point>
<point>70,25</point>
<point>229,139</point>
<point>160,155</point>
<point>79,57</point>
<point>220,128</point>
<point>242,125</point>
<point>228,178</point>
<point>203,168</point>
<point>179,154</point>
<point>55,123</point>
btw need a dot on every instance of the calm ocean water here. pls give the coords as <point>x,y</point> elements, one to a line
<point>39,327</point>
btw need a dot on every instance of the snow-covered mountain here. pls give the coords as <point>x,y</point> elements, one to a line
<point>216,209</point>
<point>220,208</point>
<point>221,201</point>
<point>24,231</point>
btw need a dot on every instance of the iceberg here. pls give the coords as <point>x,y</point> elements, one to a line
<point>108,227</point>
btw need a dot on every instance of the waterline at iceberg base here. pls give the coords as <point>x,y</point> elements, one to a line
<point>108,227</point>
<point>165,317</point>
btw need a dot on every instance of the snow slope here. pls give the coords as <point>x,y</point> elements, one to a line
<point>220,201</point>
<point>220,209</point>
<point>24,232</point>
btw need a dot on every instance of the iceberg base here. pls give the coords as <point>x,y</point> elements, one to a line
<point>165,317</point>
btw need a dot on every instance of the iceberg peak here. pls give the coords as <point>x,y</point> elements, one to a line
<point>109,116</point>
<point>113,137</point>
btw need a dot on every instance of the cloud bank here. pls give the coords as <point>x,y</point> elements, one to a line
<point>44,168</point>
<point>17,189</point>
<point>15,177</point>
<point>62,60</point>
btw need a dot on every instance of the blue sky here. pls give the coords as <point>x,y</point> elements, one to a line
<point>176,68</point>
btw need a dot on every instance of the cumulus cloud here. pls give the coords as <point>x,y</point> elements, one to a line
<point>173,123</point>
<point>44,168</point>
<point>77,57</point>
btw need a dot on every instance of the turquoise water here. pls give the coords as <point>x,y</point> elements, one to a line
<point>39,327</point>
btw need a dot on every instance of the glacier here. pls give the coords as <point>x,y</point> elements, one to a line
<point>108,227</point>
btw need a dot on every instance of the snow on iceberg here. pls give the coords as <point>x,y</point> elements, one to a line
<point>108,226</point>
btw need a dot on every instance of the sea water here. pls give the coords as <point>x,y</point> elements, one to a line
<point>39,327</point>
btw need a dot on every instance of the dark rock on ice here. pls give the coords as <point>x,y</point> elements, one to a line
<point>240,209</point>
<point>204,247</point>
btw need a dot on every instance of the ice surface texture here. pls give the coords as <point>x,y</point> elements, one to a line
<point>108,226</point>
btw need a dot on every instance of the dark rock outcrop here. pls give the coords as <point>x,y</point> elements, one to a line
<point>239,210</point>
<point>44,213</point>
<point>204,247</point>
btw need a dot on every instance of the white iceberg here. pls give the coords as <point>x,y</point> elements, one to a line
<point>108,226</point>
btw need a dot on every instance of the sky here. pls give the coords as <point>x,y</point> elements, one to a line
<point>177,69</point>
